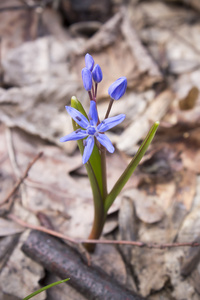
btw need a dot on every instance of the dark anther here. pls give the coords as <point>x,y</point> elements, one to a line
<point>78,118</point>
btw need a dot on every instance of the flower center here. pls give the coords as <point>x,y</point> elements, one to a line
<point>91,130</point>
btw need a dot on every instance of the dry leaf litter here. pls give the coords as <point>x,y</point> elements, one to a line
<point>156,45</point>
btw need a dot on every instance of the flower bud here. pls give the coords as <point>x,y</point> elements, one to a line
<point>89,61</point>
<point>97,74</point>
<point>118,88</point>
<point>87,79</point>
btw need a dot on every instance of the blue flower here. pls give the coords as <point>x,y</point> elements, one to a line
<point>89,62</point>
<point>97,74</point>
<point>118,88</point>
<point>91,130</point>
<point>87,79</point>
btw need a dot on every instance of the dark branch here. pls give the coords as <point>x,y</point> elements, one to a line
<point>63,261</point>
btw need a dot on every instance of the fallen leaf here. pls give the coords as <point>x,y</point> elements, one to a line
<point>148,208</point>
<point>21,283</point>
<point>9,227</point>
<point>190,100</point>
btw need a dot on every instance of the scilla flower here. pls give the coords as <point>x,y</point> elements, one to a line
<point>118,88</point>
<point>87,79</point>
<point>89,62</point>
<point>97,74</point>
<point>91,130</point>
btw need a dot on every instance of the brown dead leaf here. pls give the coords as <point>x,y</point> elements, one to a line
<point>191,227</point>
<point>6,247</point>
<point>140,126</point>
<point>165,176</point>
<point>17,26</point>
<point>190,100</point>
<point>21,283</point>
<point>49,179</point>
<point>148,208</point>
<point>29,114</point>
<point>127,56</point>
<point>111,261</point>
<point>182,139</point>
<point>127,220</point>
<point>185,188</point>
<point>9,227</point>
<point>144,61</point>
<point>166,31</point>
<point>150,270</point>
<point>105,37</point>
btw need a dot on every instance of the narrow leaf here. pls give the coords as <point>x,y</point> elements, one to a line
<point>93,167</point>
<point>45,288</point>
<point>95,158</point>
<point>130,168</point>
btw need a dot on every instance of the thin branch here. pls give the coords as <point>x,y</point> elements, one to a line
<point>83,241</point>
<point>20,180</point>
<point>41,228</point>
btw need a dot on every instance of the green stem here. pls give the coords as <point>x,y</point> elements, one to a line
<point>103,170</point>
<point>95,158</point>
<point>99,218</point>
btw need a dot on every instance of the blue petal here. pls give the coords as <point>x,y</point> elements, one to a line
<point>110,122</point>
<point>118,88</point>
<point>105,141</point>
<point>87,79</point>
<point>89,61</point>
<point>78,117</point>
<point>76,135</point>
<point>88,148</point>
<point>93,115</point>
<point>97,74</point>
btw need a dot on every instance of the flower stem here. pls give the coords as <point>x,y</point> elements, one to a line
<point>90,95</point>
<point>99,217</point>
<point>109,108</point>
<point>104,175</point>
<point>93,94</point>
<point>95,91</point>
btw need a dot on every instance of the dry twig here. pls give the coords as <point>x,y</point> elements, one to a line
<point>20,180</point>
<point>83,241</point>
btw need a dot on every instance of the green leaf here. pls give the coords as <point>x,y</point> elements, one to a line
<point>130,168</point>
<point>95,158</point>
<point>45,288</point>
<point>93,167</point>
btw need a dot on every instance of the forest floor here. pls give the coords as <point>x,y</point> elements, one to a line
<point>156,45</point>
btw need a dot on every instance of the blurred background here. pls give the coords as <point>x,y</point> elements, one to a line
<point>156,45</point>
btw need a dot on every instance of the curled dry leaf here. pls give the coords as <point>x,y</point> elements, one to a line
<point>110,260</point>
<point>148,208</point>
<point>190,100</point>
<point>139,127</point>
<point>9,227</point>
<point>21,283</point>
